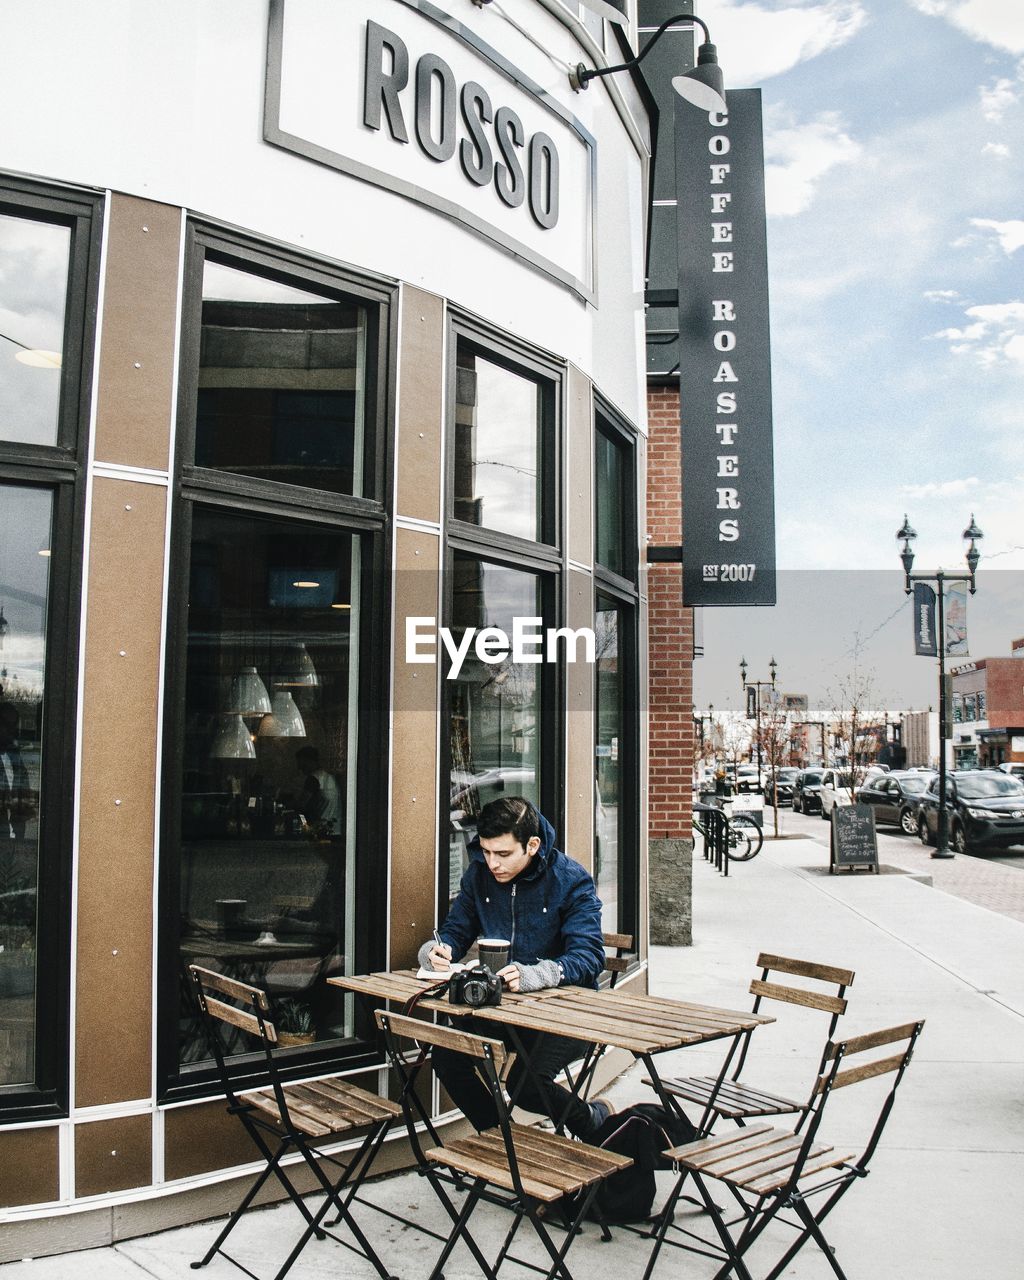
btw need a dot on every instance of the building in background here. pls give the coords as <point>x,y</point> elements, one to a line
<point>987,723</point>
<point>294,357</point>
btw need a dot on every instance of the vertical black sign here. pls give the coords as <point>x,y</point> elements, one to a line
<point>924,621</point>
<point>724,358</point>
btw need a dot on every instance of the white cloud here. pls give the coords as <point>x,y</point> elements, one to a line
<point>1010,234</point>
<point>939,489</point>
<point>994,335</point>
<point>766,40</point>
<point>798,157</point>
<point>997,99</point>
<point>999,149</point>
<point>941,295</point>
<point>999,23</point>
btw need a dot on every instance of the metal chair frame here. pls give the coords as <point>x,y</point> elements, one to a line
<point>710,1092</point>
<point>441,1165</point>
<point>269,1124</point>
<point>767,1166</point>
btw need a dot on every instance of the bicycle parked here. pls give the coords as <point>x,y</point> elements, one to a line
<point>744,838</point>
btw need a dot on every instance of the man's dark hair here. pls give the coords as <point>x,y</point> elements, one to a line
<point>509,815</point>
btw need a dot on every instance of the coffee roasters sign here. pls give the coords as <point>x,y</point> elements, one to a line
<point>413,101</point>
<point>724,362</point>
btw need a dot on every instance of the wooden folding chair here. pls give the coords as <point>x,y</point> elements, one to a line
<point>772,1170</point>
<point>513,1165</point>
<point>282,1119</point>
<point>621,947</point>
<point>727,1094</point>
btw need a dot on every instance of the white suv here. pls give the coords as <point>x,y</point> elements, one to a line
<point>835,790</point>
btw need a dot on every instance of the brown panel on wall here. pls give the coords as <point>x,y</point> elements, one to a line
<point>119,739</point>
<point>414,823</point>
<point>580,452</point>
<point>138,334</point>
<point>420,405</point>
<point>579,775</point>
<point>113,1155</point>
<point>203,1138</point>
<point>29,1166</point>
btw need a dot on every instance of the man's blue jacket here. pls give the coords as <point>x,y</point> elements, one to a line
<point>550,911</point>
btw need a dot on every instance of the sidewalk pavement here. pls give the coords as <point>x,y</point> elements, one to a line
<point>942,1196</point>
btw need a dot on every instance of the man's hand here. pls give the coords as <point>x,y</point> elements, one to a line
<point>510,977</point>
<point>440,957</point>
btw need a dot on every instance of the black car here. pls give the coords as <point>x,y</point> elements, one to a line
<point>895,798</point>
<point>780,785</point>
<point>807,791</point>
<point>985,810</point>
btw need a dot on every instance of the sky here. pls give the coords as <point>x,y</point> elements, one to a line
<point>894,149</point>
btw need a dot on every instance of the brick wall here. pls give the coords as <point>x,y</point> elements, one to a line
<point>1005,692</point>
<point>671,630</point>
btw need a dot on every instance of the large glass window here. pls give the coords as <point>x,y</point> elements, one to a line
<point>49,242</point>
<point>271,721</point>
<point>269,867</point>
<point>616,689</point>
<point>494,709</point>
<point>34,269</point>
<point>25,538</point>
<point>282,382</point>
<point>610,721</point>
<point>502,418</point>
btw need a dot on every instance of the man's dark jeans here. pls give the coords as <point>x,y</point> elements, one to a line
<point>548,1054</point>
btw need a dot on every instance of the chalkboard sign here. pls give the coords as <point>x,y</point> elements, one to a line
<point>854,842</point>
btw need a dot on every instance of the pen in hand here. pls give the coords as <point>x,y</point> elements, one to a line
<point>441,951</point>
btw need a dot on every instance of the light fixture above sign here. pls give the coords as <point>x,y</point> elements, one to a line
<point>703,86</point>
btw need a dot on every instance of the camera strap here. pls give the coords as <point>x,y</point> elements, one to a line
<point>436,989</point>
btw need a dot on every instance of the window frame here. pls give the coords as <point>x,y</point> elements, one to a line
<point>625,592</point>
<point>367,519</point>
<point>546,559</point>
<point>551,681</point>
<point>60,469</point>
<point>508,353</point>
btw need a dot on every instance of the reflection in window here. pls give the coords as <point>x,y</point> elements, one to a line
<point>282,382</point>
<point>268,788</point>
<point>498,417</point>
<point>610,470</point>
<point>34,259</point>
<point>608,862</point>
<point>25,526</point>
<point>493,709</point>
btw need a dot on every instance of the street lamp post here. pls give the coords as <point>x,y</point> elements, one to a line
<point>971,534</point>
<point>757,686</point>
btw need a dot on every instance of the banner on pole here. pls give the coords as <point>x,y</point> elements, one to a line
<point>925,645</point>
<point>956,620</point>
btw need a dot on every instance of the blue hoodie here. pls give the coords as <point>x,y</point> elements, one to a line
<point>550,911</point>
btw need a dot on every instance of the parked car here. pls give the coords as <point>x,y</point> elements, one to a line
<point>895,798</point>
<point>1013,767</point>
<point>779,786</point>
<point>873,771</point>
<point>807,791</point>
<point>836,788</point>
<point>986,810</point>
<point>748,777</point>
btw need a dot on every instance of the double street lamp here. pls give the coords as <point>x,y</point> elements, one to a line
<point>757,686</point>
<point>971,535</point>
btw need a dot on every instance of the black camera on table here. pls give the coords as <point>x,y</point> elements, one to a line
<point>476,987</point>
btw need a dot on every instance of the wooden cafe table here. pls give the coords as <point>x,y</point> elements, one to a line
<point>612,1018</point>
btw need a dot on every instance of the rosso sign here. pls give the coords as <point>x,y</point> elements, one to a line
<point>437,97</point>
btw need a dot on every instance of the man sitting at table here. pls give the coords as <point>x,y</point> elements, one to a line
<point>519,886</point>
